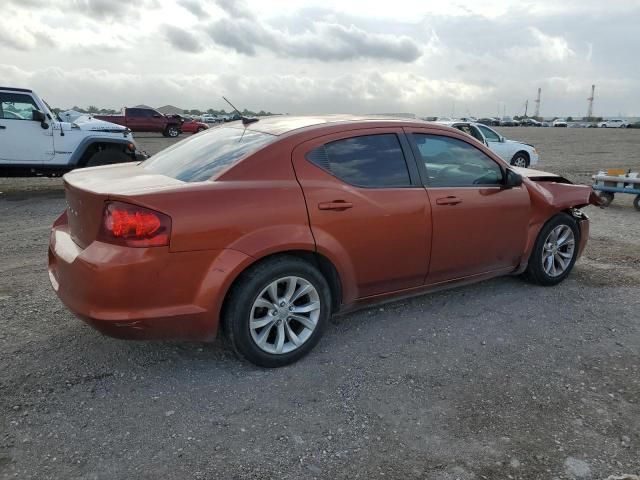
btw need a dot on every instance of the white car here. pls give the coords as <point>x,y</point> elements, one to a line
<point>35,141</point>
<point>560,122</point>
<point>613,123</point>
<point>516,153</point>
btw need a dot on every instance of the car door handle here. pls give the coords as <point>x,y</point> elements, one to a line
<point>2,127</point>
<point>450,200</point>
<point>338,205</point>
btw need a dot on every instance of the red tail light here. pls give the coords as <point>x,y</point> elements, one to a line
<point>134,226</point>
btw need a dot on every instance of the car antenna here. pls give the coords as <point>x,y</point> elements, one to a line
<point>245,120</point>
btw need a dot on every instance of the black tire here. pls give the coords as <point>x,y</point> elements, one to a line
<point>636,202</point>
<point>172,131</point>
<point>244,293</point>
<point>535,271</point>
<point>200,130</point>
<point>108,157</point>
<point>606,198</point>
<point>520,159</point>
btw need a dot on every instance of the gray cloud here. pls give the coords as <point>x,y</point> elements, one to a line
<point>322,41</point>
<point>7,39</point>
<point>182,39</point>
<point>107,9</point>
<point>195,7</point>
<point>235,8</point>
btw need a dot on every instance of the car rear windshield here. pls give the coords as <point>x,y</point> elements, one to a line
<point>202,156</point>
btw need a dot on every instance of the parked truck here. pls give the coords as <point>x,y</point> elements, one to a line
<point>146,120</point>
<point>35,141</point>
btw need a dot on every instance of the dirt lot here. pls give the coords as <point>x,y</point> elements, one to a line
<point>492,381</point>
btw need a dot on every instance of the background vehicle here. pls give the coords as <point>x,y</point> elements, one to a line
<point>210,119</point>
<point>34,141</point>
<point>614,123</point>
<point>634,125</point>
<point>491,122</point>
<point>272,226</point>
<point>194,126</point>
<point>516,153</point>
<point>146,120</point>
<point>509,122</point>
<point>560,122</point>
<point>530,122</point>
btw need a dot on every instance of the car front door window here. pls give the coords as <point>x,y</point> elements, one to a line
<point>489,134</point>
<point>450,162</point>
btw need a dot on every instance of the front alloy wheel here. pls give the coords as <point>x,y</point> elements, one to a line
<point>520,161</point>
<point>555,251</point>
<point>285,315</point>
<point>558,251</point>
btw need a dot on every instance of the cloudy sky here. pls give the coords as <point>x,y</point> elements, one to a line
<point>322,56</point>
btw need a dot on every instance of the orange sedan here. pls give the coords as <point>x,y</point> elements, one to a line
<point>262,230</point>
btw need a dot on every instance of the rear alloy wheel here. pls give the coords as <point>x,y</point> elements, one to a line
<point>172,132</point>
<point>276,312</point>
<point>636,202</point>
<point>555,251</point>
<point>520,160</point>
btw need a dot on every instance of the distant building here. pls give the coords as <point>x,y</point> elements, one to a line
<point>143,106</point>
<point>171,110</point>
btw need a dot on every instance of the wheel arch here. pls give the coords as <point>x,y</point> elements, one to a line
<point>318,260</point>
<point>90,145</point>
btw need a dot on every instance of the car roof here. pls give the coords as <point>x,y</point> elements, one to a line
<point>283,124</point>
<point>17,89</point>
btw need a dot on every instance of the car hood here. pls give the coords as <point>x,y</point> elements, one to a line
<point>515,142</point>
<point>555,190</point>
<point>537,174</point>
<point>89,123</point>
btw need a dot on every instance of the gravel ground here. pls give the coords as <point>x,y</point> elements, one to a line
<point>492,381</point>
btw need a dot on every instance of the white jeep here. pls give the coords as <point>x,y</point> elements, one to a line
<point>35,141</point>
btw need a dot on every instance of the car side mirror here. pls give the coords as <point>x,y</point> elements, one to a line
<point>501,139</point>
<point>39,116</point>
<point>512,179</point>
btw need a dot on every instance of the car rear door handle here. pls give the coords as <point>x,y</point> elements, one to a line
<point>2,127</point>
<point>450,200</point>
<point>338,205</point>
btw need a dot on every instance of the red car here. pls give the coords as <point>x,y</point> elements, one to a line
<point>193,126</point>
<point>264,230</point>
<point>146,120</point>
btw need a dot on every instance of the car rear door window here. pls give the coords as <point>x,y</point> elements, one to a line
<point>373,161</point>
<point>450,162</point>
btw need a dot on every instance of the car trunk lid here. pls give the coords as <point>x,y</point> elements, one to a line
<point>87,190</point>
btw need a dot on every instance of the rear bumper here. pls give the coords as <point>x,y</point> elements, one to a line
<point>142,293</point>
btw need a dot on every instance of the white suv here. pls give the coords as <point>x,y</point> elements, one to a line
<point>516,153</point>
<point>613,123</point>
<point>34,141</point>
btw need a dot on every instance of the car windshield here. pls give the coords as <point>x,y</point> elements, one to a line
<point>200,157</point>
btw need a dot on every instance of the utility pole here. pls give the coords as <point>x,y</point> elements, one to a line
<point>526,107</point>
<point>590,99</point>
<point>537,114</point>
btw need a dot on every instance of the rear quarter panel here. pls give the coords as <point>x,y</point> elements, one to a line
<point>256,207</point>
